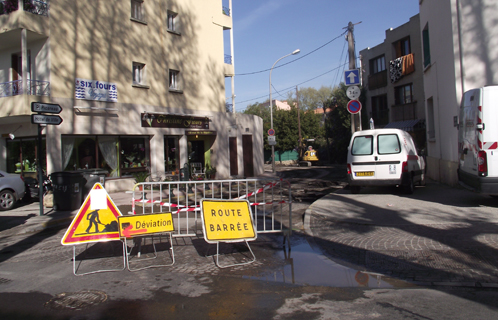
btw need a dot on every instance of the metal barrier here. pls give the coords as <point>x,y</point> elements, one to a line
<point>271,202</point>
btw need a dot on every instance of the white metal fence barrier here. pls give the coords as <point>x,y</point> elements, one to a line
<point>270,200</point>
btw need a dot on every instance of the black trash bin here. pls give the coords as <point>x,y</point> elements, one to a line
<point>67,189</point>
<point>90,178</point>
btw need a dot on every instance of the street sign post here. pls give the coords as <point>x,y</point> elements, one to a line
<point>46,107</point>
<point>46,119</point>
<point>354,106</point>
<point>352,77</point>
<point>272,141</point>
<point>353,92</point>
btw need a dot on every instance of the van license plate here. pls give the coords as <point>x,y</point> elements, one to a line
<point>364,174</point>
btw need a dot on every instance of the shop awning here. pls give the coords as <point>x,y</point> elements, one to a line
<point>407,125</point>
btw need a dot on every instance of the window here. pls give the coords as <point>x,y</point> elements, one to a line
<point>362,146</point>
<point>403,94</point>
<point>380,111</point>
<point>174,80</point>
<point>427,47</point>
<point>431,129</point>
<point>377,65</point>
<point>388,144</point>
<point>172,21</point>
<point>22,155</point>
<point>138,73</point>
<point>402,47</point>
<point>137,10</point>
<point>90,152</point>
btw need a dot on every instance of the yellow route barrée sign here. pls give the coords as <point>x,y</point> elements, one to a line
<point>227,220</point>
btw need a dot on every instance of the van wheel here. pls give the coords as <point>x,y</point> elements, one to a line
<point>410,187</point>
<point>354,189</point>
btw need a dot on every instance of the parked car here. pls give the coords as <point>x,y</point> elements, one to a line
<point>384,157</point>
<point>12,189</point>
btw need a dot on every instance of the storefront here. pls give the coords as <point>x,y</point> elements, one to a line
<point>124,144</point>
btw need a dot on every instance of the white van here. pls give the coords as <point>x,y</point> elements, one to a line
<point>384,157</point>
<point>478,140</point>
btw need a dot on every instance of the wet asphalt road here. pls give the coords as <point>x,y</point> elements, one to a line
<point>36,280</point>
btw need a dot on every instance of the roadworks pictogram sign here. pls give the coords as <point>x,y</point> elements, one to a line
<point>96,221</point>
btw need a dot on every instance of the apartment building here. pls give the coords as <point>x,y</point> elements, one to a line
<point>141,84</point>
<point>460,52</point>
<point>392,74</point>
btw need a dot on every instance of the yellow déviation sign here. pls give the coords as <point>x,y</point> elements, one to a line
<point>227,220</point>
<point>141,224</point>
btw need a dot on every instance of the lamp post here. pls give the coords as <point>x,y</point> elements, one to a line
<point>271,108</point>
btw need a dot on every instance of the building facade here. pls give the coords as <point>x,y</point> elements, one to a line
<point>460,52</point>
<point>141,84</point>
<point>392,75</point>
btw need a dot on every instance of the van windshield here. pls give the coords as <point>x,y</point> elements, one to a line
<point>362,145</point>
<point>388,144</point>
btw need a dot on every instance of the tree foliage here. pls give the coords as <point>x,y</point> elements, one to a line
<point>331,133</point>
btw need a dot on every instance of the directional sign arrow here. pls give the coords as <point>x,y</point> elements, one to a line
<point>46,107</point>
<point>352,77</point>
<point>45,119</point>
<point>128,231</point>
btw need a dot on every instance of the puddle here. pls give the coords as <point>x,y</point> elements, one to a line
<point>305,265</point>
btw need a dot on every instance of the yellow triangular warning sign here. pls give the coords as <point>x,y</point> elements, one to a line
<point>96,221</point>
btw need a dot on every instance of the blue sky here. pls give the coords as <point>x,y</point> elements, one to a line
<point>266,30</point>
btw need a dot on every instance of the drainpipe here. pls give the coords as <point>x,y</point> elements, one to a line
<point>460,46</point>
<point>233,58</point>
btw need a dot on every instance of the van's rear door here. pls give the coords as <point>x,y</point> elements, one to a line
<point>362,157</point>
<point>388,162</point>
<point>489,134</point>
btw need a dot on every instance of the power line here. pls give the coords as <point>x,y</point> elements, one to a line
<point>301,57</point>
<point>336,68</point>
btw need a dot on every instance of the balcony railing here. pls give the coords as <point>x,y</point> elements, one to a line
<point>14,88</point>
<point>377,80</point>
<point>404,112</point>
<point>32,6</point>
<point>36,7</point>
<point>228,59</point>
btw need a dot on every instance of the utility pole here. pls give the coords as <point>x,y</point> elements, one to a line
<point>299,125</point>
<point>355,118</point>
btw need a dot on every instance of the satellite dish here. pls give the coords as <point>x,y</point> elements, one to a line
<point>11,136</point>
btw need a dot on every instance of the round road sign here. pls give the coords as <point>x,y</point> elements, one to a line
<point>354,106</point>
<point>353,92</point>
<point>271,132</point>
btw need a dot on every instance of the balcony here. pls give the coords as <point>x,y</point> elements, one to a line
<point>404,112</point>
<point>377,80</point>
<point>34,88</point>
<point>32,6</point>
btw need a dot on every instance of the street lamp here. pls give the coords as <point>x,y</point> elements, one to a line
<point>271,108</point>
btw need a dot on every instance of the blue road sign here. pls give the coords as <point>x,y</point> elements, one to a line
<point>354,106</point>
<point>352,77</point>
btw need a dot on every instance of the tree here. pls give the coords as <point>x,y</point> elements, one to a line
<point>339,124</point>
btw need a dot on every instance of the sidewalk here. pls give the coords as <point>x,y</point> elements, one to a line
<point>437,236</point>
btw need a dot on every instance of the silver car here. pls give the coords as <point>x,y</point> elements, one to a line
<point>12,188</point>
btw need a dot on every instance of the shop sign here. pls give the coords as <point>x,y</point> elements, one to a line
<point>200,133</point>
<point>96,90</point>
<point>155,120</point>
